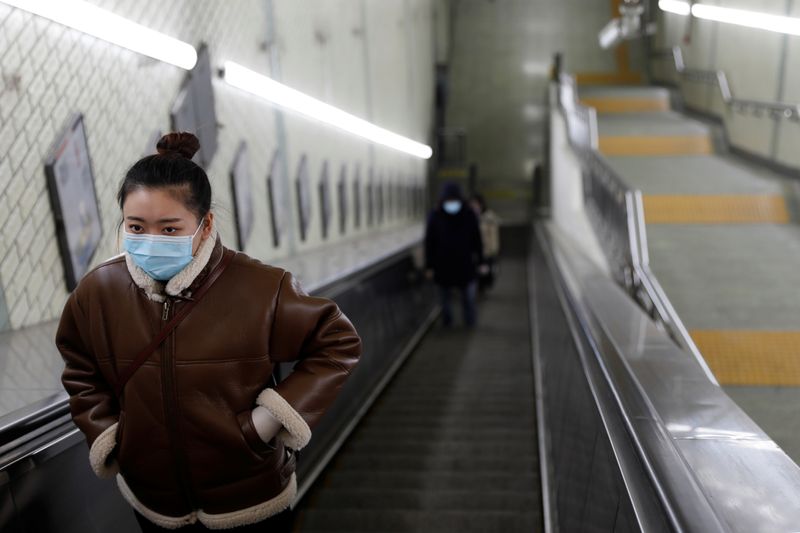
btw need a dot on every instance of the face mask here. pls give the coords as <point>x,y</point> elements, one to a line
<point>161,256</point>
<point>452,206</point>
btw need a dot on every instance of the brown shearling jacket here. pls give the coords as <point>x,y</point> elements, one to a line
<point>181,435</point>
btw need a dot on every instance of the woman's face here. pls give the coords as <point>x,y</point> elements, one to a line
<point>159,212</point>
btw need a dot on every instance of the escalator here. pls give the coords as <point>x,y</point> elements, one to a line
<point>451,445</point>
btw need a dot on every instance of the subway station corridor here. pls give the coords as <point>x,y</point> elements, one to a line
<point>232,235</point>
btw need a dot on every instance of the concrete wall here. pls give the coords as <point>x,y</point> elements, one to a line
<point>758,65</point>
<point>373,59</point>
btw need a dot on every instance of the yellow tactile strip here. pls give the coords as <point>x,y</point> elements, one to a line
<point>715,209</point>
<point>749,357</point>
<point>626,105</point>
<point>655,144</point>
<point>608,78</point>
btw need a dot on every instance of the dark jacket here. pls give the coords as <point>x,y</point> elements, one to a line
<point>453,247</point>
<point>181,433</point>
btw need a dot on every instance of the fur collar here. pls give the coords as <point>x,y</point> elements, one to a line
<point>157,290</point>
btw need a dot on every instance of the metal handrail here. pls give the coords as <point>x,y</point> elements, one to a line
<point>619,211</point>
<point>720,79</point>
<point>581,119</point>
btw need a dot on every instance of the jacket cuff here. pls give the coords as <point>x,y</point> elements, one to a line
<point>295,433</point>
<point>100,452</point>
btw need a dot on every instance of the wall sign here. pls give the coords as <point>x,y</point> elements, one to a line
<point>341,188</point>
<point>194,110</point>
<point>275,196</point>
<point>325,200</point>
<point>242,193</point>
<point>303,197</point>
<point>73,197</point>
<point>357,198</point>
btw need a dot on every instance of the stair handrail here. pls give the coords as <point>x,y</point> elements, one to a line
<point>774,109</point>
<point>618,212</point>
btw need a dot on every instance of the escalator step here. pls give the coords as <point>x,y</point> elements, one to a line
<point>414,461</point>
<point>421,500</point>
<point>483,481</point>
<point>388,521</point>
<point>455,448</point>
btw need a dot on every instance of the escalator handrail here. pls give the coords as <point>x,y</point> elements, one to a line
<point>714,468</point>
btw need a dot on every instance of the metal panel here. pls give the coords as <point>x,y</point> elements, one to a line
<point>590,471</point>
<point>712,467</point>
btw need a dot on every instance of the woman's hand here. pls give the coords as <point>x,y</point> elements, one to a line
<point>266,425</point>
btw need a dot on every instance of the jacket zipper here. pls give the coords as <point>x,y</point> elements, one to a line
<point>172,412</point>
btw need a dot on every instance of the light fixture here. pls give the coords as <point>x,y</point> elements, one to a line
<point>292,99</point>
<point>92,20</point>
<point>749,19</point>
<point>675,6</point>
<point>739,17</point>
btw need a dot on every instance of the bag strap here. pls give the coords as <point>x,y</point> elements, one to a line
<point>171,325</point>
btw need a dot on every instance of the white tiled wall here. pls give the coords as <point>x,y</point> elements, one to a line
<point>49,72</point>
<point>751,59</point>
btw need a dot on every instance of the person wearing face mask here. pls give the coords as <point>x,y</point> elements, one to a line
<point>454,252</point>
<point>169,352</point>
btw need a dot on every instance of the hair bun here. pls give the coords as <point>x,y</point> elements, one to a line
<point>183,143</point>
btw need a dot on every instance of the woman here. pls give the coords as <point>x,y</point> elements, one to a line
<point>490,236</point>
<point>191,424</point>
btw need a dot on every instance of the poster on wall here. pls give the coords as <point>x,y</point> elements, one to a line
<point>303,197</point>
<point>325,200</point>
<point>341,188</point>
<point>379,200</point>
<point>370,197</point>
<point>389,192</point>
<point>402,199</point>
<point>73,197</point>
<point>275,196</point>
<point>242,193</point>
<point>194,110</point>
<point>357,198</point>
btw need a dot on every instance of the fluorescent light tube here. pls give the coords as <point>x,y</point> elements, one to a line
<point>107,26</point>
<point>292,99</point>
<point>674,6</point>
<point>739,17</point>
<point>750,19</point>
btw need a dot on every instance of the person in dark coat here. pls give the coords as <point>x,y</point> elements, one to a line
<point>454,252</point>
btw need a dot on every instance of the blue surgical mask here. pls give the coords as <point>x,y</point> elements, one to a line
<point>452,206</point>
<point>161,256</point>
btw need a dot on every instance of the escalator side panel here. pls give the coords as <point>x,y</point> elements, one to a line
<point>59,493</point>
<point>586,480</point>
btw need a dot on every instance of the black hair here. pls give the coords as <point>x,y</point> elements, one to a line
<point>172,168</point>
